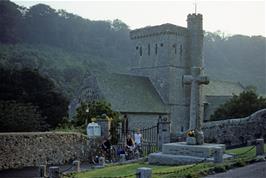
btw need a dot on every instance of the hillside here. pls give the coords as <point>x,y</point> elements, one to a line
<point>64,46</point>
<point>236,58</point>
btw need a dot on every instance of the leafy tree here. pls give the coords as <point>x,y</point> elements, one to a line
<point>96,109</point>
<point>20,117</point>
<point>240,106</point>
<point>27,86</point>
<point>10,17</point>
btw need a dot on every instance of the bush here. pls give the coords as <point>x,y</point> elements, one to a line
<point>240,106</point>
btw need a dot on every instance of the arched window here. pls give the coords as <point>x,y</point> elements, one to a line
<point>149,49</point>
<point>140,51</point>
<point>156,49</point>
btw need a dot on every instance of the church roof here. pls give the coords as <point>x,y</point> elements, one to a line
<point>222,88</point>
<point>129,93</point>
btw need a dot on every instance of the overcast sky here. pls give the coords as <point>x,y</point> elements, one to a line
<point>231,17</point>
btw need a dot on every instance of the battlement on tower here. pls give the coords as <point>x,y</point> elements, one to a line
<point>164,29</point>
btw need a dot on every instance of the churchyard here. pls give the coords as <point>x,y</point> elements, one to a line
<point>146,123</point>
<point>200,170</point>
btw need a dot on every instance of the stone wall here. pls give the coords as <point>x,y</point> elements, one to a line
<point>32,149</point>
<point>235,132</point>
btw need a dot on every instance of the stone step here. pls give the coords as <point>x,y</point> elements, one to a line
<point>168,159</point>
<point>181,148</point>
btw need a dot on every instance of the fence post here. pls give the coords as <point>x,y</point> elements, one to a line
<point>259,147</point>
<point>42,171</point>
<point>54,172</point>
<point>105,126</point>
<point>164,131</point>
<point>143,172</point>
<point>77,165</point>
<point>218,155</point>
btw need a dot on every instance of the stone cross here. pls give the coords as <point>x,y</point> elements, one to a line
<point>195,120</point>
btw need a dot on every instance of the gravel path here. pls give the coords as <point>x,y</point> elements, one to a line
<point>256,170</point>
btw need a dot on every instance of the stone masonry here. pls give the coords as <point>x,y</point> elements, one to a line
<point>33,149</point>
<point>235,132</point>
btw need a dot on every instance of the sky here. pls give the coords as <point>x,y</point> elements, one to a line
<point>245,17</point>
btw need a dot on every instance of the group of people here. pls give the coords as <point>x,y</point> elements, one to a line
<point>132,144</point>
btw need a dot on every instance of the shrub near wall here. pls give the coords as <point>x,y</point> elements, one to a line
<point>32,149</point>
<point>234,132</point>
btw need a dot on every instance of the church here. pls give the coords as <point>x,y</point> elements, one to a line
<point>162,56</point>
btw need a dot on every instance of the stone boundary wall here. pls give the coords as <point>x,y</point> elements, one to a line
<point>34,148</point>
<point>234,132</point>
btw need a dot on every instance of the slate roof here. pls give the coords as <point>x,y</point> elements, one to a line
<point>222,88</point>
<point>129,93</point>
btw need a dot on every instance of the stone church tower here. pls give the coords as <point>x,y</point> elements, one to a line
<point>166,53</point>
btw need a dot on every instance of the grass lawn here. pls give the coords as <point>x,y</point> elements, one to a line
<point>195,171</point>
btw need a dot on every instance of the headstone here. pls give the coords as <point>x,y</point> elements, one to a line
<point>54,172</point>
<point>93,130</point>
<point>144,172</point>
<point>195,122</point>
<point>77,165</point>
<point>259,147</point>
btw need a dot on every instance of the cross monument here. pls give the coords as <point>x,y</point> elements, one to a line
<point>195,116</point>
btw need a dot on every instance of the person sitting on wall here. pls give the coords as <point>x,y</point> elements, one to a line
<point>129,147</point>
<point>130,143</point>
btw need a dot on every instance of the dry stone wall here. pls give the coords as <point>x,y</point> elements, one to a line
<point>32,149</point>
<point>234,132</point>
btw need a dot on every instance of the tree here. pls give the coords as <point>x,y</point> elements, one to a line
<point>10,17</point>
<point>240,106</point>
<point>28,86</point>
<point>20,117</point>
<point>98,109</point>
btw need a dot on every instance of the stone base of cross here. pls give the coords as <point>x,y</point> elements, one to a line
<point>195,122</point>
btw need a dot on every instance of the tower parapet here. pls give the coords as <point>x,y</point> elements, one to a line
<point>164,29</point>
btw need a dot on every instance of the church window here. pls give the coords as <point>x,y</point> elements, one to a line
<point>181,51</point>
<point>156,49</point>
<point>174,46</point>
<point>161,44</point>
<point>140,51</point>
<point>149,49</point>
<point>137,47</point>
